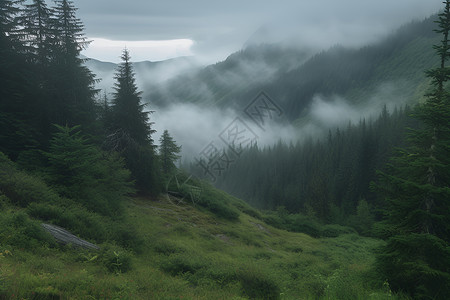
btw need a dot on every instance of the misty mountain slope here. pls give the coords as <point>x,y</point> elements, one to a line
<point>240,72</point>
<point>148,73</point>
<point>387,71</point>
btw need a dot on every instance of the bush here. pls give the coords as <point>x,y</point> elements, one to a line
<point>116,260</point>
<point>82,172</point>
<point>166,247</point>
<point>177,264</point>
<point>300,223</point>
<point>346,284</point>
<point>20,187</point>
<point>247,209</point>
<point>4,202</point>
<point>334,230</point>
<point>18,230</point>
<point>76,219</point>
<point>216,202</point>
<point>256,285</point>
<point>127,236</point>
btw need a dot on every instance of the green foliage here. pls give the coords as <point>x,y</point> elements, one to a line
<point>126,236</point>
<point>166,247</point>
<point>129,130</point>
<point>19,231</point>
<point>305,224</point>
<point>325,179</point>
<point>168,154</point>
<point>116,260</point>
<point>144,166</point>
<point>20,188</point>
<point>82,172</point>
<point>346,284</point>
<point>257,285</point>
<point>415,188</point>
<point>335,230</point>
<point>418,264</point>
<point>364,218</point>
<point>181,263</point>
<point>218,203</point>
<point>73,218</point>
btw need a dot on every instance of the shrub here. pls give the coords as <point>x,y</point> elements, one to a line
<point>127,236</point>
<point>167,247</point>
<point>257,285</point>
<point>20,187</point>
<point>216,202</point>
<point>18,230</point>
<point>76,219</point>
<point>177,264</point>
<point>82,172</point>
<point>116,260</point>
<point>334,230</point>
<point>300,223</point>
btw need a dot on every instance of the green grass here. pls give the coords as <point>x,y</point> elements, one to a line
<point>212,247</point>
<point>189,252</point>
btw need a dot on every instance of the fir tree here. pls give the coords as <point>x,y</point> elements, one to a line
<point>17,85</point>
<point>130,129</point>
<point>73,83</point>
<point>80,171</point>
<point>416,258</point>
<point>36,31</point>
<point>168,153</point>
<point>129,117</point>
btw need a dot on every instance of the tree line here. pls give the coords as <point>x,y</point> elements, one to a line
<point>47,92</point>
<point>324,177</point>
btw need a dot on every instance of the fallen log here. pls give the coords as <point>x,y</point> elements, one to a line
<point>64,237</point>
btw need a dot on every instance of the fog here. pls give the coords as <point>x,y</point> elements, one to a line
<point>195,126</point>
<point>218,28</point>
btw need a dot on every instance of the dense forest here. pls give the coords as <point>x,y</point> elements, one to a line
<point>74,158</point>
<point>329,176</point>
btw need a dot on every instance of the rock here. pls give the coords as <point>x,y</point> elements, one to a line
<point>64,237</point>
<point>262,228</point>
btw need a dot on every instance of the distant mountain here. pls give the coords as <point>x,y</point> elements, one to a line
<point>148,74</point>
<point>240,72</point>
<point>389,71</point>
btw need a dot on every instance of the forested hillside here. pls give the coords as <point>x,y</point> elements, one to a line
<point>293,76</point>
<point>327,177</point>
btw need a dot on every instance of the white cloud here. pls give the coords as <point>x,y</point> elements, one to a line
<point>110,50</point>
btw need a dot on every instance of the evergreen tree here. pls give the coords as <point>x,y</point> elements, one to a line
<point>17,85</point>
<point>80,171</point>
<point>129,117</point>
<point>36,31</point>
<point>130,130</point>
<point>168,153</point>
<point>416,258</point>
<point>73,93</point>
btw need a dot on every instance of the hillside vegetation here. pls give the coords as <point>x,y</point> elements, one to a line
<point>169,248</point>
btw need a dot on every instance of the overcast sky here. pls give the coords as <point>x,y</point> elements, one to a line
<point>211,30</point>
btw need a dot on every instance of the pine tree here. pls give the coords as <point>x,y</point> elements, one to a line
<point>36,31</point>
<point>73,83</point>
<point>80,171</point>
<point>416,258</point>
<point>130,129</point>
<point>129,117</point>
<point>17,90</point>
<point>168,153</point>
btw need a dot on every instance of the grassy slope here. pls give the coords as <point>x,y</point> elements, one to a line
<point>189,253</point>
